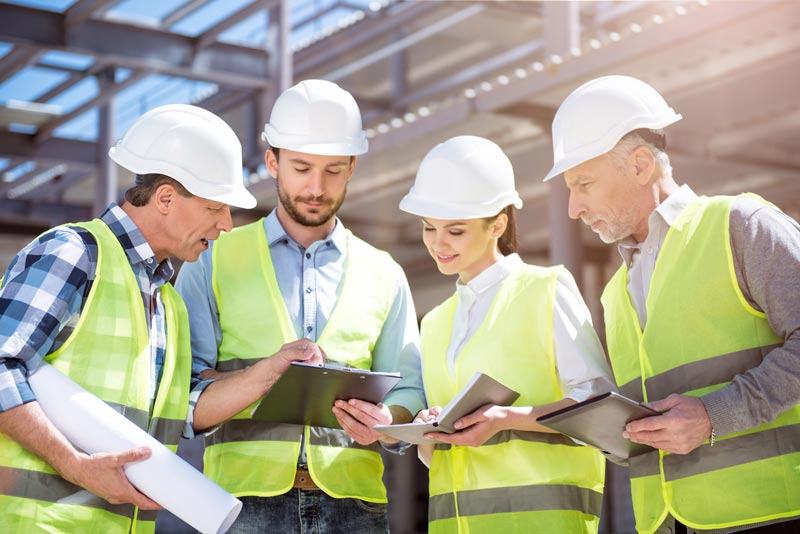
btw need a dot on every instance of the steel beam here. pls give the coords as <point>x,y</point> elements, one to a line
<point>20,57</point>
<point>137,48</point>
<point>107,92</point>
<point>404,43</point>
<point>368,30</point>
<point>182,11</point>
<point>82,10</point>
<point>52,152</point>
<point>211,34</point>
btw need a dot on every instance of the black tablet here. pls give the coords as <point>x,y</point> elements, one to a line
<point>304,394</point>
<point>599,422</point>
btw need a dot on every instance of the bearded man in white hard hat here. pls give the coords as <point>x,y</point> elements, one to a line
<point>702,319</point>
<point>93,299</point>
<point>299,277</point>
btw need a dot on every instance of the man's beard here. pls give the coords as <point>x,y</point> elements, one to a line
<point>327,210</point>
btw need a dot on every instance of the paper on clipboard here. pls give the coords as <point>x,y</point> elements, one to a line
<point>599,422</point>
<point>482,389</point>
<point>305,393</point>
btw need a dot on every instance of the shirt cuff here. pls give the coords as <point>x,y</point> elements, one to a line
<point>407,398</point>
<point>194,396</point>
<point>722,418</point>
<point>14,387</point>
<point>395,448</point>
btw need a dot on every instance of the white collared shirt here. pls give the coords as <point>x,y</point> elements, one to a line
<point>640,258</point>
<point>580,361</point>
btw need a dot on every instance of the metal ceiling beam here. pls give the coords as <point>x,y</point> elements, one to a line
<point>334,6</point>
<point>136,47</point>
<point>59,184</point>
<point>46,131</point>
<point>50,213</point>
<point>22,146</point>
<point>348,40</point>
<point>404,43</point>
<point>82,10</point>
<point>211,34</point>
<point>20,57</point>
<point>71,81</point>
<point>656,38</point>
<point>182,11</point>
<point>511,57</point>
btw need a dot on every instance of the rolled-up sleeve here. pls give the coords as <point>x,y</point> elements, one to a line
<point>194,285</point>
<point>398,349</point>
<point>42,292</point>
<point>582,367</point>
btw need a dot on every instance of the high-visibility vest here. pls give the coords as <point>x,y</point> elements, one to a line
<point>518,481</point>
<point>700,333</point>
<point>250,457</point>
<point>108,354</point>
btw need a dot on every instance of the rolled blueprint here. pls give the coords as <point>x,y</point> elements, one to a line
<point>93,426</point>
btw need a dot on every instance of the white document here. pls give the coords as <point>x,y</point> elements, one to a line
<point>93,426</point>
<point>482,389</point>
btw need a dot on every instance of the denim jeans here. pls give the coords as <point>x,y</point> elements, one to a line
<point>309,512</point>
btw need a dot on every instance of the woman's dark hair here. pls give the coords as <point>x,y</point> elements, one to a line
<point>146,186</point>
<point>507,244</point>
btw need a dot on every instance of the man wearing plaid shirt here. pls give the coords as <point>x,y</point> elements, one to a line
<point>76,287</point>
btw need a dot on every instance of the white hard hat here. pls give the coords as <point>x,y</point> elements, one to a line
<point>466,177</point>
<point>316,117</point>
<point>596,115</point>
<point>191,145</point>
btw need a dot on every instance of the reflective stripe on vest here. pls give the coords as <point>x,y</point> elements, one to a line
<point>249,457</point>
<point>516,478</point>
<point>700,333</point>
<point>108,354</point>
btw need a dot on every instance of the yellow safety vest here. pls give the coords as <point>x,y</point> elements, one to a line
<point>108,354</point>
<point>700,333</point>
<point>518,481</point>
<point>249,457</point>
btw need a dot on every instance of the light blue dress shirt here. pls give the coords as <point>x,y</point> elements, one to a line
<point>310,283</point>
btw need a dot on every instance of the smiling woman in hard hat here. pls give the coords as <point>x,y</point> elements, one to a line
<point>702,319</point>
<point>525,326</point>
<point>94,300</point>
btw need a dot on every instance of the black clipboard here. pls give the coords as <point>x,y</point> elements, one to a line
<point>304,394</point>
<point>599,422</point>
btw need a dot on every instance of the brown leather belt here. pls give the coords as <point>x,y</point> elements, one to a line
<point>303,481</point>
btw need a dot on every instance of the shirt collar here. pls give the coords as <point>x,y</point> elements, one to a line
<point>136,247</point>
<point>492,275</point>
<point>665,213</point>
<point>276,233</point>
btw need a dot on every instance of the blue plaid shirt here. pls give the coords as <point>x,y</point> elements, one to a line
<point>44,291</point>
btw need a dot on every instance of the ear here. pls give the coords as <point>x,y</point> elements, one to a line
<point>499,225</point>
<point>164,198</point>
<point>643,165</point>
<point>272,163</point>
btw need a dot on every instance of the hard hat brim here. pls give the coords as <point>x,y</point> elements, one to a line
<point>415,205</point>
<point>609,142</point>
<point>237,196</point>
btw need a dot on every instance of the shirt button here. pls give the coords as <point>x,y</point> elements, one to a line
<point>329,243</point>
<point>649,250</point>
<point>308,254</point>
<point>149,261</point>
<point>308,290</point>
<point>309,329</point>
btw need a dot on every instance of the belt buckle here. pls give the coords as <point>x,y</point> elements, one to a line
<point>303,480</point>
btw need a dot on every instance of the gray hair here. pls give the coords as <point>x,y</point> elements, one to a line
<point>633,140</point>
